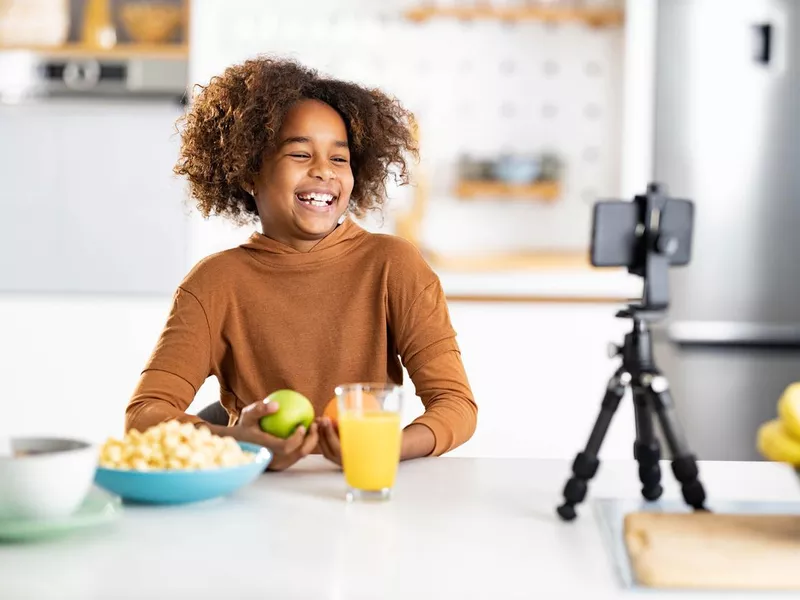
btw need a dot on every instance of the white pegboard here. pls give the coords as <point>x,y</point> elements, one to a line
<point>479,87</point>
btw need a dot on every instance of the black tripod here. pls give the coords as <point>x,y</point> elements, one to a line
<point>655,245</point>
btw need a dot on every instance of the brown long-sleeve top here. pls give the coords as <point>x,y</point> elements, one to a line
<point>264,316</point>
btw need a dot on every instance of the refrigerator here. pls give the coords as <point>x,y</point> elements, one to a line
<point>727,136</point>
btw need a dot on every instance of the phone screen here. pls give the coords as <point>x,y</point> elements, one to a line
<point>614,233</point>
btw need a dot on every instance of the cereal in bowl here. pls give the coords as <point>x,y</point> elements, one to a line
<point>172,445</point>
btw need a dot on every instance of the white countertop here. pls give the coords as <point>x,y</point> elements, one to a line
<point>542,283</point>
<point>456,528</point>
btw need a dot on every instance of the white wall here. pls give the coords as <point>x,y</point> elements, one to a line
<point>638,96</point>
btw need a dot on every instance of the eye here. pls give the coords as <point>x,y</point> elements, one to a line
<point>299,155</point>
<point>340,159</point>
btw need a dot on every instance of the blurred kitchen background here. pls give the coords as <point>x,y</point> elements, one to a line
<point>529,112</point>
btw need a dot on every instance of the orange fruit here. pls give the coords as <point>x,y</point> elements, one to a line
<point>331,411</point>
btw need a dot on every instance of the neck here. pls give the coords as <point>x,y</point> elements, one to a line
<point>299,244</point>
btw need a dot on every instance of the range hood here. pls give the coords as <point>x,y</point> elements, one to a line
<point>30,75</point>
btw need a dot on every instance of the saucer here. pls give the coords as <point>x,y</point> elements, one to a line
<point>98,508</point>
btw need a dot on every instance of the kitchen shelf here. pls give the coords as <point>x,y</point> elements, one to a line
<point>595,17</point>
<point>176,51</point>
<point>544,190</point>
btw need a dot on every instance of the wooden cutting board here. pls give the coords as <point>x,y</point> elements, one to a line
<point>714,551</point>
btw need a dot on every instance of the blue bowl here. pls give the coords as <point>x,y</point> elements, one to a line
<point>183,486</point>
<point>517,169</point>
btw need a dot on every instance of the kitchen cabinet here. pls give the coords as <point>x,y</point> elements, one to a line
<point>89,201</point>
<point>539,372</point>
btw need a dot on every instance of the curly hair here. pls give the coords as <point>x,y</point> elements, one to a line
<point>234,121</point>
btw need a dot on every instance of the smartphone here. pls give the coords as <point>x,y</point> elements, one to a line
<point>616,225</point>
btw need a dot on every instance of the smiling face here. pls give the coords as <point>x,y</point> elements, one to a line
<point>304,186</point>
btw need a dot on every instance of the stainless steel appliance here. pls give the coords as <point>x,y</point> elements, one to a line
<point>728,137</point>
<point>27,75</point>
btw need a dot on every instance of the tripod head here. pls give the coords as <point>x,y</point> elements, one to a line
<point>646,236</point>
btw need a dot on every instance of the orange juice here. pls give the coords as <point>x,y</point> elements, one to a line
<point>370,448</point>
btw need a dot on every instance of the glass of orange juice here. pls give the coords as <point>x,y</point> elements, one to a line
<point>370,434</point>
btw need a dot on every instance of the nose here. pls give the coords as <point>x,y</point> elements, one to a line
<point>320,169</point>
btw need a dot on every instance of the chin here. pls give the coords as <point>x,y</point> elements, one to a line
<point>318,228</point>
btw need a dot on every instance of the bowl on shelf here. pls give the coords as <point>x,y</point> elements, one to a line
<point>45,478</point>
<point>517,169</point>
<point>150,23</point>
<point>183,486</point>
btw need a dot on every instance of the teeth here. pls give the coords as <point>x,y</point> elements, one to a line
<point>314,196</point>
<point>317,203</point>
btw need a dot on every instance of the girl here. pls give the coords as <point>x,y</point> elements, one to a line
<point>313,300</point>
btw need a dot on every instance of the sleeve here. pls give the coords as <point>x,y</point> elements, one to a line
<point>178,366</point>
<point>428,349</point>
<point>450,409</point>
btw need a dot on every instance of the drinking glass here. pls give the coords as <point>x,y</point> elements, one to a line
<point>370,434</point>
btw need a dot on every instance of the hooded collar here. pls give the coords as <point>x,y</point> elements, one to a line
<point>339,241</point>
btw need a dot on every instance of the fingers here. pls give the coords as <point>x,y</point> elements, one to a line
<point>306,445</point>
<point>275,444</point>
<point>253,412</point>
<point>310,441</point>
<point>323,442</point>
<point>294,441</point>
<point>280,463</point>
<point>328,453</point>
<point>329,441</point>
<point>332,439</point>
<point>249,420</point>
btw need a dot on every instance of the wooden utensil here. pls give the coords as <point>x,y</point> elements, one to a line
<point>714,551</point>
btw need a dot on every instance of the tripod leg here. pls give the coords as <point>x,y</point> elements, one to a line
<point>646,449</point>
<point>684,465</point>
<point>586,463</point>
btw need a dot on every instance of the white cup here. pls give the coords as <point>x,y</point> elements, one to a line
<point>45,477</point>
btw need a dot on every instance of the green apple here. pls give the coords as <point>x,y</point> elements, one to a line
<point>294,410</point>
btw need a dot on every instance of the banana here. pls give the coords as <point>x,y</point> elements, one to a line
<point>775,443</point>
<point>789,410</point>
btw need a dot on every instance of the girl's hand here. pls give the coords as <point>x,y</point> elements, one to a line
<point>287,458</point>
<point>285,452</point>
<point>329,440</point>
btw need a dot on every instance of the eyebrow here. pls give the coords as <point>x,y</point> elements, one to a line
<point>307,140</point>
